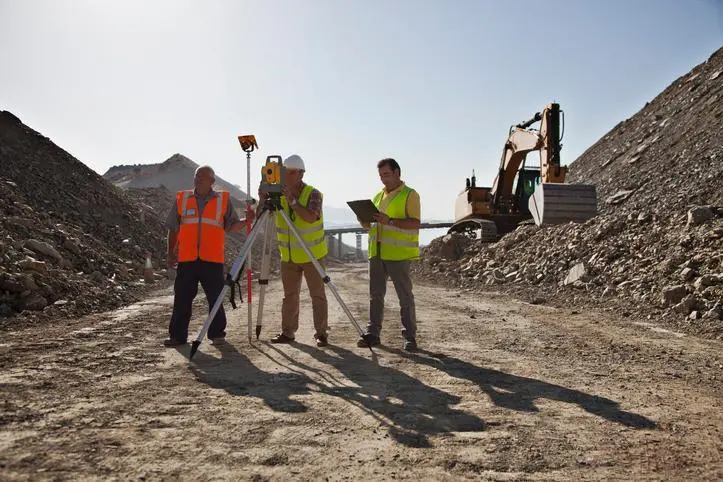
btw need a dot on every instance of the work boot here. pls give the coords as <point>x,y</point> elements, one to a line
<point>367,341</point>
<point>281,338</point>
<point>171,342</point>
<point>321,340</point>
<point>410,344</point>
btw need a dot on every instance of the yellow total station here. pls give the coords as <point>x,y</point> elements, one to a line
<point>273,175</point>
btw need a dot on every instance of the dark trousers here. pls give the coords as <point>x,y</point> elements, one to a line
<point>188,275</point>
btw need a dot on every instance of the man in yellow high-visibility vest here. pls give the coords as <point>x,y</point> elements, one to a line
<point>303,204</point>
<point>393,244</point>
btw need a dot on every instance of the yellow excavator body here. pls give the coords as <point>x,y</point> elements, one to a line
<point>521,193</point>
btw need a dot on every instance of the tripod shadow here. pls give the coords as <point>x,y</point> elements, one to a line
<point>520,393</point>
<point>236,374</point>
<point>411,410</point>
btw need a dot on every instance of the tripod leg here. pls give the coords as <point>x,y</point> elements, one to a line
<point>265,268</point>
<point>322,273</point>
<point>230,278</point>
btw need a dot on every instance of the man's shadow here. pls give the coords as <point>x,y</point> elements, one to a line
<point>236,374</point>
<point>520,393</point>
<point>411,410</point>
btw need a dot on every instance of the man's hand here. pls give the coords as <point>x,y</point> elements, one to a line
<point>364,225</point>
<point>289,195</point>
<point>250,214</point>
<point>381,218</point>
<point>172,261</point>
<point>262,195</point>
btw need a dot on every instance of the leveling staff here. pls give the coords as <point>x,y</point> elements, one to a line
<point>303,203</point>
<point>197,224</point>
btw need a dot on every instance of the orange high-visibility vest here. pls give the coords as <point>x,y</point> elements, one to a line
<point>201,235</point>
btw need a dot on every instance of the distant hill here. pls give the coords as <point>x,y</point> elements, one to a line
<point>175,174</point>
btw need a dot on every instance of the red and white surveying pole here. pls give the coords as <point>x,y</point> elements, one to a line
<point>248,144</point>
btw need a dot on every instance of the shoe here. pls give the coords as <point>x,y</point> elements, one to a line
<point>218,341</point>
<point>171,342</point>
<point>410,344</point>
<point>321,340</point>
<point>367,341</point>
<point>281,338</point>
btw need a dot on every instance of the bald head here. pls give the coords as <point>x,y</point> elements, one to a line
<point>203,179</point>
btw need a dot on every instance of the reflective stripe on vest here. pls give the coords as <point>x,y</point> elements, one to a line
<point>312,233</point>
<point>394,243</point>
<point>201,235</point>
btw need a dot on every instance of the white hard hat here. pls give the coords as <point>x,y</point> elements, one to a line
<point>294,162</point>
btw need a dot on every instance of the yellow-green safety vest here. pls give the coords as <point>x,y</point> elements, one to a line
<point>395,244</point>
<point>312,233</point>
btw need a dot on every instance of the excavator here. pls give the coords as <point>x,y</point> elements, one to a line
<point>522,193</point>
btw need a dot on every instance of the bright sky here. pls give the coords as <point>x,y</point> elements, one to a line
<point>434,84</point>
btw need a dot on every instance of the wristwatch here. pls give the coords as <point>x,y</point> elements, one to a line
<point>294,202</point>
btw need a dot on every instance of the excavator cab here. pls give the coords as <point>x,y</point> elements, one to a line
<point>527,181</point>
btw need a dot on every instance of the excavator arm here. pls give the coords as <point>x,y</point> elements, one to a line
<point>521,141</point>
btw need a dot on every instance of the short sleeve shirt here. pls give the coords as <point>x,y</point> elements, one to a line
<point>414,205</point>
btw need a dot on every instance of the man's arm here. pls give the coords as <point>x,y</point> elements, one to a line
<point>414,214</point>
<point>403,223</point>
<point>312,212</point>
<point>172,254</point>
<point>232,223</point>
<point>172,223</point>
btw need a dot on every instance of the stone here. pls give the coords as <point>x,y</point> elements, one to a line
<point>32,264</point>
<point>34,302</point>
<point>6,311</point>
<point>705,280</point>
<point>577,273</point>
<point>699,215</point>
<point>687,274</point>
<point>44,248</point>
<point>688,304</point>
<point>13,285</point>
<point>673,294</point>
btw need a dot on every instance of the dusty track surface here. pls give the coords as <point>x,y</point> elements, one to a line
<point>501,390</point>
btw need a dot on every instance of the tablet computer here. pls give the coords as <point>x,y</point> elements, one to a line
<point>364,209</point>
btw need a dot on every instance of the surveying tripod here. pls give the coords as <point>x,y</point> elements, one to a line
<point>272,204</point>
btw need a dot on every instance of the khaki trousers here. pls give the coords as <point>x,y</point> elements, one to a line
<point>291,274</point>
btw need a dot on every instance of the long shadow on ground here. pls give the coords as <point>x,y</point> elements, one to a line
<point>236,374</point>
<point>520,393</point>
<point>411,410</point>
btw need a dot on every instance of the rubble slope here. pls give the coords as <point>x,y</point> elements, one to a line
<point>655,250</point>
<point>71,243</point>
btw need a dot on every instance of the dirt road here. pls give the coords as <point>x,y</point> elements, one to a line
<point>501,390</point>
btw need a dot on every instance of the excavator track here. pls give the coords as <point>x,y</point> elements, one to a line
<point>556,203</point>
<point>482,229</point>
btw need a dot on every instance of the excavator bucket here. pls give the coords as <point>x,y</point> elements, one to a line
<point>557,203</point>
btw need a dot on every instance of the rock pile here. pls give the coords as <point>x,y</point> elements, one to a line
<point>655,251</point>
<point>70,243</point>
